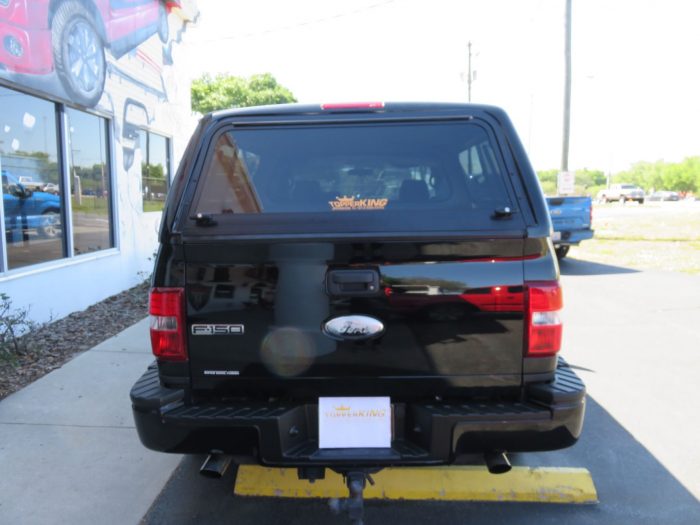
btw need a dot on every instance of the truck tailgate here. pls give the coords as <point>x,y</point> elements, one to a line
<point>570,213</point>
<point>451,316</point>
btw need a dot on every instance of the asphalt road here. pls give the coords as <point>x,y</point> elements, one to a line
<point>634,338</point>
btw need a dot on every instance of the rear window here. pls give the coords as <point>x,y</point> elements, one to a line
<point>376,173</point>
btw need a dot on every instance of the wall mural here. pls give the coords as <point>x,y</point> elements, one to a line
<point>71,48</point>
<point>113,56</point>
<point>68,47</point>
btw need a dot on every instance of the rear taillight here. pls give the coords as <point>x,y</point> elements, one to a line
<point>167,312</point>
<point>544,303</point>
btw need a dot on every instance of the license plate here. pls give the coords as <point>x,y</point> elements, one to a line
<point>354,422</point>
<point>556,236</point>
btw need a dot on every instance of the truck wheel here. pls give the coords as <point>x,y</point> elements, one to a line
<point>641,201</point>
<point>561,251</point>
<point>78,53</point>
<point>49,228</point>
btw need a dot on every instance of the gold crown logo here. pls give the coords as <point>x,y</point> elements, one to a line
<point>342,408</point>
<point>345,200</point>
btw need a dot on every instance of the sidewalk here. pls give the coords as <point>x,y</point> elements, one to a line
<point>69,452</point>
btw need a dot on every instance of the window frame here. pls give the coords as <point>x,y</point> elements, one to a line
<point>64,167</point>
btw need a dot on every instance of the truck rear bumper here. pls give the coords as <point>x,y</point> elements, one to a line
<point>279,434</point>
<point>572,237</point>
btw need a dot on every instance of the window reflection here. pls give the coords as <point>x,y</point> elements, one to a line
<point>31,182</point>
<point>155,170</point>
<point>90,182</point>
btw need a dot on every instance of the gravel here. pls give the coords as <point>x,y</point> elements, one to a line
<point>53,344</point>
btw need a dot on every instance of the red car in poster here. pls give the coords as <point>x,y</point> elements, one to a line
<point>71,36</point>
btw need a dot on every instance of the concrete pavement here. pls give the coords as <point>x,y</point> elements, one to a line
<point>635,337</point>
<point>69,452</point>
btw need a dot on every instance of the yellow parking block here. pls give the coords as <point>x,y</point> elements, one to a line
<point>457,483</point>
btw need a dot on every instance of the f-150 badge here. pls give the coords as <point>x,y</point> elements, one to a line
<point>353,327</point>
<point>218,329</point>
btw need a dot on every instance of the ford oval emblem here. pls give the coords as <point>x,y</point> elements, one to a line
<point>353,327</point>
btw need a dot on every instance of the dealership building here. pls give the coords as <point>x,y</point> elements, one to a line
<point>94,117</point>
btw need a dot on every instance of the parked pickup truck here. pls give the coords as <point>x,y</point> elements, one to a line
<point>355,286</point>
<point>31,184</point>
<point>25,210</point>
<point>572,218</point>
<point>622,193</point>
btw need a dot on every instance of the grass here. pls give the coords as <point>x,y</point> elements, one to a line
<point>90,204</point>
<point>649,237</point>
<point>671,221</point>
<point>153,205</point>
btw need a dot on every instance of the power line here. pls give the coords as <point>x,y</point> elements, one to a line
<point>291,27</point>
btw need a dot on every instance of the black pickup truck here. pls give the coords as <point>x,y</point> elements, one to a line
<point>355,286</point>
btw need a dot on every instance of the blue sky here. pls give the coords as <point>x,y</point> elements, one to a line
<point>636,82</point>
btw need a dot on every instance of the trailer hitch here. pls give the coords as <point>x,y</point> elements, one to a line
<point>356,481</point>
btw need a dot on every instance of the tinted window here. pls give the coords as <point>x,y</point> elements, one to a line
<point>353,170</point>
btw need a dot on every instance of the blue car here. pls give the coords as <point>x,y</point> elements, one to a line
<point>29,210</point>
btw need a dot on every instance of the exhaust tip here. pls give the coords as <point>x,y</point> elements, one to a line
<point>497,462</point>
<point>211,474</point>
<point>215,466</point>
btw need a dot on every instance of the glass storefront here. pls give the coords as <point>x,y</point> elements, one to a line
<point>33,141</point>
<point>31,181</point>
<point>91,200</point>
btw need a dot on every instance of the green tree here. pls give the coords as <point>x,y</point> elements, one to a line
<point>588,178</point>
<point>548,181</point>
<point>679,176</point>
<point>225,91</point>
<point>152,171</point>
<point>646,175</point>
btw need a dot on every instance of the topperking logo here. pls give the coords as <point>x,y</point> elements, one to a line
<point>344,411</point>
<point>346,203</point>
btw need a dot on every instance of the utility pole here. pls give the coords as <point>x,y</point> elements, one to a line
<point>567,89</point>
<point>469,72</point>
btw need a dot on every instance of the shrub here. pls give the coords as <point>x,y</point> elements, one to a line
<point>14,323</point>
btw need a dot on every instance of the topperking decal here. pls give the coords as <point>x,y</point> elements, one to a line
<point>345,411</point>
<point>346,203</point>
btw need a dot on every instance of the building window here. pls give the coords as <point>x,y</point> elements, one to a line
<point>44,163</point>
<point>155,169</point>
<point>31,181</point>
<point>91,199</point>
